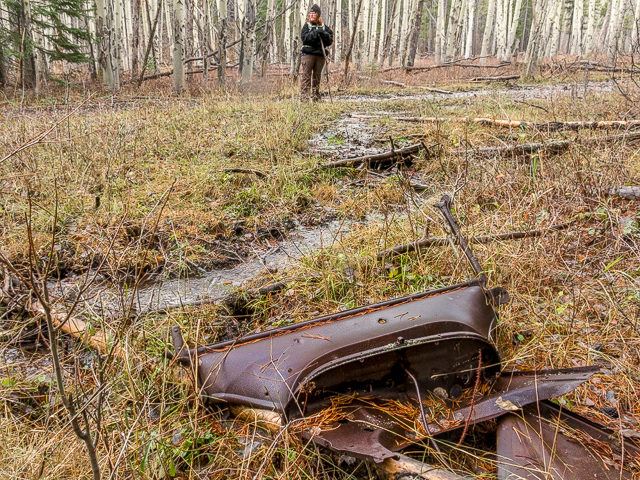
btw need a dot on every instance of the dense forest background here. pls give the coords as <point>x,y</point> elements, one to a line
<point>119,41</point>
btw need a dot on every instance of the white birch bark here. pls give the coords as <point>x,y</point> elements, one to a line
<point>178,46</point>
<point>287,36</point>
<point>113,52</point>
<point>470,22</point>
<point>488,29</point>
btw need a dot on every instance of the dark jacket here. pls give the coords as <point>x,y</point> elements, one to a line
<point>311,35</point>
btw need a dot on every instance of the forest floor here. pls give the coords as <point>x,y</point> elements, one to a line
<point>130,200</point>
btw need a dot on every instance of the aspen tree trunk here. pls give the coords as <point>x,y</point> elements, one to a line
<point>287,36</point>
<point>383,32</point>
<point>178,46</point>
<point>395,34</point>
<point>576,28</point>
<point>488,28</point>
<point>136,7</point>
<point>501,26</point>
<point>615,24</point>
<point>404,30</point>
<point>189,43</point>
<point>29,61</point>
<point>555,36</point>
<point>440,30</point>
<point>385,48</point>
<point>222,42</point>
<point>363,50</point>
<point>513,28</point>
<point>415,33</point>
<point>636,22</point>
<point>119,44</point>
<point>591,20</point>
<point>205,40</point>
<point>337,33</point>
<point>533,48</point>
<point>452,29</point>
<point>3,73</point>
<point>373,28</point>
<point>470,22</point>
<point>125,29</point>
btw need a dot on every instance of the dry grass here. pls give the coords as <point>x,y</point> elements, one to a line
<point>575,293</point>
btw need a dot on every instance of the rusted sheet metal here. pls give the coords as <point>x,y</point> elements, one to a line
<point>546,443</point>
<point>372,434</point>
<point>438,335</point>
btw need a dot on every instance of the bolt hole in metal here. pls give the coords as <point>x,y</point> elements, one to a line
<point>382,320</point>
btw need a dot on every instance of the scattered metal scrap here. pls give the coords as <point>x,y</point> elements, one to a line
<point>405,350</point>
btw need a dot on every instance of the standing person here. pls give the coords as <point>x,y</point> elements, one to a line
<point>314,35</point>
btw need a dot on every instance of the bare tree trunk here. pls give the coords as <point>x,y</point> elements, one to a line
<point>513,28</point>
<point>452,28</point>
<point>337,33</point>
<point>488,29</point>
<point>591,19</point>
<point>205,40</point>
<point>440,31</point>
<point>469,40</point>
<point>150,44</point>
<point>353,37</point>
<point>415,33</point>
<point>178,46</point>
<point>135,38</point>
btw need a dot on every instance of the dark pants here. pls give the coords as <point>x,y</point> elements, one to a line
<point>310,76</point>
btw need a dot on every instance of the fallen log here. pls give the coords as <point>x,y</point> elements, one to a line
<point>443,241</point>
<point>435,90</point>
<point>628,193</point>
<point>377,158</point>
<point>407,467</point>
<point>516,123</point>
<point>77,328</point>
<point>556,146</point>
<point>495,79</point>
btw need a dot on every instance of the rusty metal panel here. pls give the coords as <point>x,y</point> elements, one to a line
<point>546,443</point>
<point>372,434</point>
<point>436,334</point>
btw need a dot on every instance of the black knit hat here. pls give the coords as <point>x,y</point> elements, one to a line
<point>315,8</point>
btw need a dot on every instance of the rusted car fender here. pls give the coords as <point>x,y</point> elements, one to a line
<point>440,335</point>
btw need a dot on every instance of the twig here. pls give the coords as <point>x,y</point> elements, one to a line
<point>495,79</point>
<point>377,158</point>
<point>248,171</point>
<point>443,241</point>
<point>436,90</point>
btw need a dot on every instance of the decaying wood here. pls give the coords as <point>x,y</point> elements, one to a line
<point>248,171</point>
<point>499,78</point>
<point>77,328</point>
<point>516,123</point>
<point>373,159</point>
<point>267,419</point>
<point>442,241</point>
<point>446,65</point>
<point>436,90</point>
<point>628,193</point>
<point>407,467</point>
<point>555,146</point>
